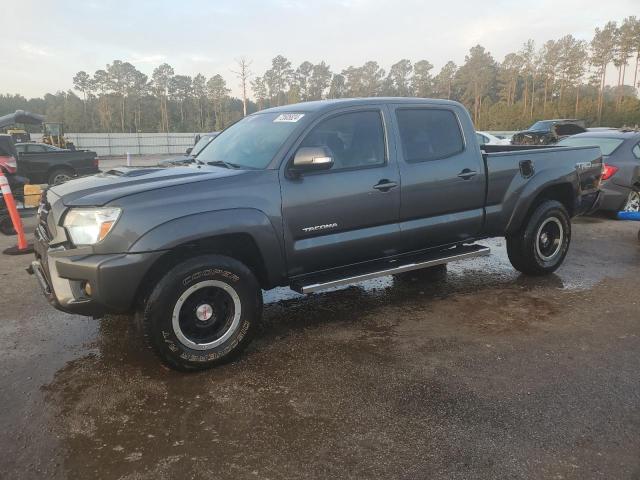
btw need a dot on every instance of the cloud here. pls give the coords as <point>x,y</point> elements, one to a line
<point>35,51</point>
<point>197,57</point>
<point>146,58</point>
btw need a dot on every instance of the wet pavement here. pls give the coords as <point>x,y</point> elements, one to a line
<point>482,373</point>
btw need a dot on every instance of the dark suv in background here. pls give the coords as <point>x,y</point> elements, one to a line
<point>548,132</point>
<point>621,156</point>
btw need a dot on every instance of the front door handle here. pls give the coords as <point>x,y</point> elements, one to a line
<point>466,174</point>
<point>385,185</point>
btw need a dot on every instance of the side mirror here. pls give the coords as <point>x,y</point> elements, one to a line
<point>189,150</point>
<point>312,159</point>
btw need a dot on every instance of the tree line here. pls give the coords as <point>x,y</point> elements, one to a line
<point>564,77</point>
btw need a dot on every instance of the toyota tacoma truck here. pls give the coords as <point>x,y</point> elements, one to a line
<point>310,196</point>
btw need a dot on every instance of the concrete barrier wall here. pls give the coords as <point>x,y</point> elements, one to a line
<point>118,144</point>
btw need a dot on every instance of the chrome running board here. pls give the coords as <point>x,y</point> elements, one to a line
<point>314,283</point>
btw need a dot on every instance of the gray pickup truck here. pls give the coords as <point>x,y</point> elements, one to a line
<point>312,196</point>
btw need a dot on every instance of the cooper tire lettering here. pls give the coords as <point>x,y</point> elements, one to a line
<point>186,279</point>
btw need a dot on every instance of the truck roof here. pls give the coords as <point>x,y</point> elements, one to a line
<point>323,105</point>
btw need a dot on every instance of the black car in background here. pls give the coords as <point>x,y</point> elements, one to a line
<point>46,164</point>
<point>548,132</point>
<point>621,156</point>
<point>191,153</point>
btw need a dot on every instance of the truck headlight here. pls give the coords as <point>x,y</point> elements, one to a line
<point>87,226</point>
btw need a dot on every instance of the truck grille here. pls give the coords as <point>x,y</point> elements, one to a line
<point>43,213</point>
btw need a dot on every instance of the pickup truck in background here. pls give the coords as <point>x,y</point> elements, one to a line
<point>312,196</point>
<point>43,163</point>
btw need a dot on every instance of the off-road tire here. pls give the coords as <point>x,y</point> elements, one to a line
<point>526,248</point>
<point>171,294</point>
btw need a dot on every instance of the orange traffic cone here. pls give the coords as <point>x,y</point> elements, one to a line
<point>22,247</point>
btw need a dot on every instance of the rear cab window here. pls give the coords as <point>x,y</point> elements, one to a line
<point>429,134</point>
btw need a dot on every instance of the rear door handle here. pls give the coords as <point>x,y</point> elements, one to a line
<point>385,185</point>
<point>466,174</point>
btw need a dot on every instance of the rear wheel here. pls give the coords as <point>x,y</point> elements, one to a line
<point>60,175</point>
<point>542,243</point>
<point>202,312</point>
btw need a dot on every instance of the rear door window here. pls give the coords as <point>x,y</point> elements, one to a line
<point>636,151</point>
<point>429,134</point>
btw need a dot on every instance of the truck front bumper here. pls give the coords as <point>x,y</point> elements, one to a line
<point>113,279</point>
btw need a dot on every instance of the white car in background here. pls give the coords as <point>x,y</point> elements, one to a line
<point>485,138</point>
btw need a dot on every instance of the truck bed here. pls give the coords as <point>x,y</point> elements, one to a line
<point>515,170</point>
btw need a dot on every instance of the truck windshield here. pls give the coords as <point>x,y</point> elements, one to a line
<point>607,145</point>
<point>252,142</point>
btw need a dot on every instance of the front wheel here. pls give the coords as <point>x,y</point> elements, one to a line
<point>542,243</point>
<point>202,312</point>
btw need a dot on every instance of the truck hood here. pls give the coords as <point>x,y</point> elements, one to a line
<point>105,187</point>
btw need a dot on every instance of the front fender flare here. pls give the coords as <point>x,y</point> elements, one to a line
<point>197,226</point>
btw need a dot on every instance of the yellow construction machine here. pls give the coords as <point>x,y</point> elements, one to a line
<point>53,134</point>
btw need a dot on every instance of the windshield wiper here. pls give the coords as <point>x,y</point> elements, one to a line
<point>222,163</point>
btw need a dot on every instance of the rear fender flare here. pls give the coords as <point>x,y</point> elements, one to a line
<point>533,189</point>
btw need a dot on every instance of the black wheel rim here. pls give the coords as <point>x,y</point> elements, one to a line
<point>549,238</point>
<point>206,315</point>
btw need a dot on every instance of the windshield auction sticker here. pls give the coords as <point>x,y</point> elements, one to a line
<point>288,117</point>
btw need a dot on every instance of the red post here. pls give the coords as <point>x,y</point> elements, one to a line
<point>23,246</point>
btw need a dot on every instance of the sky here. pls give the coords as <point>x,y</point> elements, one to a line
<point>43,44</point>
